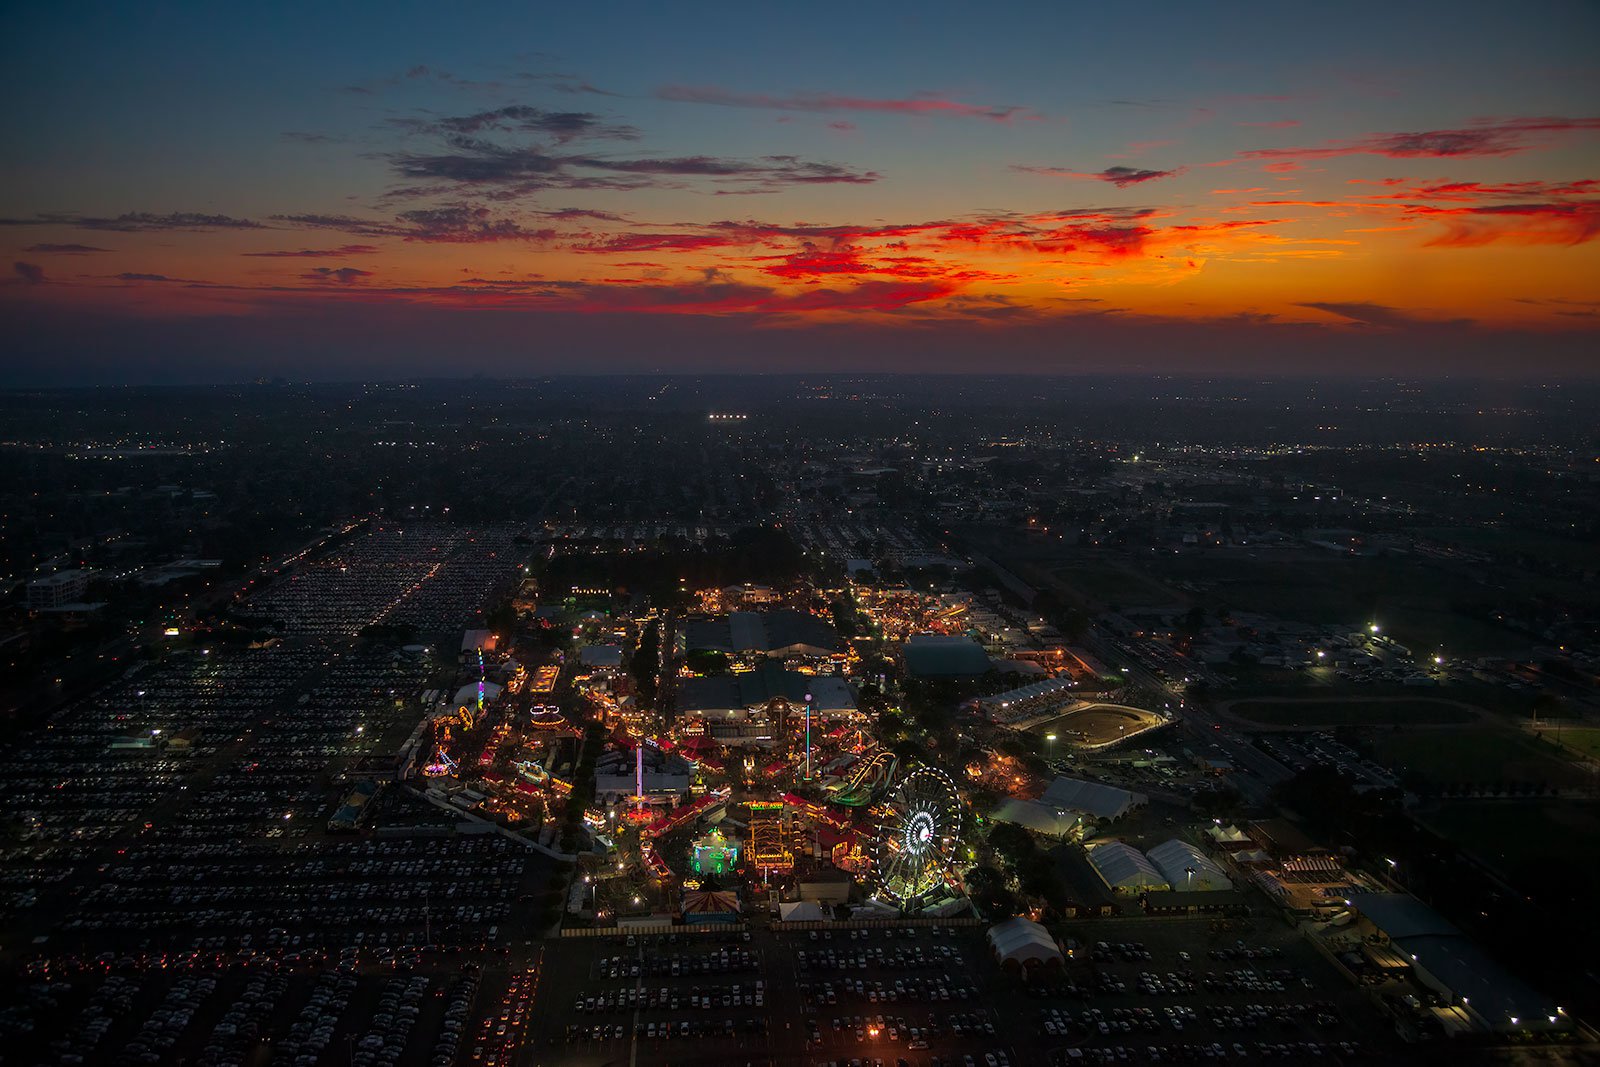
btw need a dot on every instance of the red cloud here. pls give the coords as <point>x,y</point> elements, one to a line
<point>1467,192</point>
<point>1502,137</point>
<point>1568,214</point>
<point>1532,224</point>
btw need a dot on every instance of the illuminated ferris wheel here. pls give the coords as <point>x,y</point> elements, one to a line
<point>918,830</point>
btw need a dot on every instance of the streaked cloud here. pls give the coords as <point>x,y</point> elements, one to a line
<point>1492,137</point>
<point>829,103</point>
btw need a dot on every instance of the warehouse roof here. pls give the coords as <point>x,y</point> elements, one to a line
<point>1401,915</point>
<point>780,631</point>
<point>748,689</point>
<point>945,656</point>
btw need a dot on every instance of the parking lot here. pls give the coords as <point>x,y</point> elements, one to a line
<point>1207,991</point>
<point>173,893</point>
<point>1186,990</point>
<point>807,997</point>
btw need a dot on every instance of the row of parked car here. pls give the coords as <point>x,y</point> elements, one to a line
<point>1296,1051</point>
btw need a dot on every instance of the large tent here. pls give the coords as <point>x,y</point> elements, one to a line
<point>708,906</point>
<point>801,911</point>
<point>1024,944</point>
<point>1032,815</point>
<point>1091,798</point>
<point>1124,868</point>
<point>1186,867</point>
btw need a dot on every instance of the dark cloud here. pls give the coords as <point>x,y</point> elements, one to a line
<point>562,126</point>
<point>455,223</point>
<point>31,273</point>
<point>341,275</point>
<point>922,104</point>
<point>66,250</point>
<point>1380,315</point>
<point>315,253</point>
<point>480,162</point>
<point>1121,177</point>
<point>467,223</point>
<point>139,222</point>
<point>135,276</point>
<point>343,223</point>
<point>581,213</point>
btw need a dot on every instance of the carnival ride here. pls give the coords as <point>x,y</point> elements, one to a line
<point>919,828</point>
<point>769,850</point>
<point>866,781</point>
<point>443,765</point>
<point>546,717</point>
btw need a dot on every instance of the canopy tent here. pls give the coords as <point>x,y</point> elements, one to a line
<point>1024,944</point>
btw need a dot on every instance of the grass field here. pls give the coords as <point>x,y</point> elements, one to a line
<point>1525,542</point>
<point>1102,584</point>
<point>1411,600</point>
<point>1584,740</point>
<point>1518,836</point>
<point>1352,712</point>
<point>1475,754</point>
<point>1097,724</point>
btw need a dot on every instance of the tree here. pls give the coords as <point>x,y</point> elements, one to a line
<point>987,888</point>
<point>646,664</point>
<point>707,661</point>
<point>1012,842</point>
<point>501,619</point>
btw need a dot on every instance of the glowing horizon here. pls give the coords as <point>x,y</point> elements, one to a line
<point>253,180</point>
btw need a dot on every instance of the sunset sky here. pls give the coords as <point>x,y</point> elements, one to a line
<point>202,193</point>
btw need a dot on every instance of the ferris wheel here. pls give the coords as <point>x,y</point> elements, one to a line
<point>918,829</point>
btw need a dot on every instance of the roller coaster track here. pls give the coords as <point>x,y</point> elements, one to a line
<point>870,777</point>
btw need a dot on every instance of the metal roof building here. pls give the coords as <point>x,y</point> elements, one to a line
<point>1451,963</point>
<point>776,633</point>
<point>734,696</point>
<point>945,656</point>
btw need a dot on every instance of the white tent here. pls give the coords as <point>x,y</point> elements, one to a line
<point>468,694</point>
<point>1032,815</point>
<point>1090,798</point>
<point>1023,943</point>
<point>801,911</point>
<point>1124,868</point>
<point>1227,835</point>
<point>1186,867</point>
